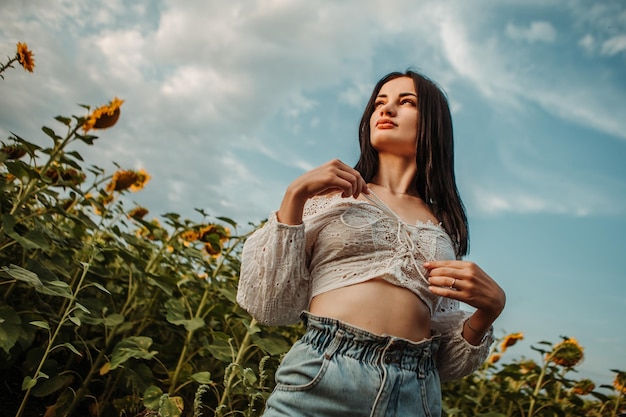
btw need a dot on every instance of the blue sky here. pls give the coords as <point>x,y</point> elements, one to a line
<point>227,102</point>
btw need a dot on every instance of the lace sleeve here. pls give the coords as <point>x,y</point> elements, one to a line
<point>457,357</point>
<point>274,284</point>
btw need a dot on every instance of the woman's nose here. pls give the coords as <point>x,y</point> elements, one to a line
<point>387,108</point>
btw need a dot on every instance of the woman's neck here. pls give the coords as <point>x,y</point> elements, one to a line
<point>396,176</point>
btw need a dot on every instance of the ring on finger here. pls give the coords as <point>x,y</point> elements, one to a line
<point>452,285</point>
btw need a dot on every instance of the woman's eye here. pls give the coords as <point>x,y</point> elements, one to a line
<point>378,103</point>
<point>408,101</point>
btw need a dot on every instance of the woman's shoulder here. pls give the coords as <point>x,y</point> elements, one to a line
<point>321,204</point>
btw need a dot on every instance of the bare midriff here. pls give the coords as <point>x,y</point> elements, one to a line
<point>378,307</point>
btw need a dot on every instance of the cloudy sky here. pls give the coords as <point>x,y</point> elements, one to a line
<point>226,102</point>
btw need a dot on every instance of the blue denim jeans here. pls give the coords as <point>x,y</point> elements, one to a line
<point>339,370</point>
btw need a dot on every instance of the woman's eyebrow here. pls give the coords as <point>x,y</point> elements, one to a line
<point>400,95</point>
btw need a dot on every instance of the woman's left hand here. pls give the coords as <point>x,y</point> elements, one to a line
<point>467,282</point>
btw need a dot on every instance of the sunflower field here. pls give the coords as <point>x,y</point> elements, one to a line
<point>106,313</point>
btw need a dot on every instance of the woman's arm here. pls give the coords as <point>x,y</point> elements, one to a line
<point>333,176</point>
<point>466,337</point>
<point>274,284</point>
<point>468,283</point>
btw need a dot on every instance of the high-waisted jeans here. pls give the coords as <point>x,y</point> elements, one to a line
<point>339,370</point>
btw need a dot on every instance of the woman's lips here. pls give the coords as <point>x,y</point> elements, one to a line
<point>385,124</point>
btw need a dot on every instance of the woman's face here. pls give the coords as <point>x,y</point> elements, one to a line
<point>393,124</point>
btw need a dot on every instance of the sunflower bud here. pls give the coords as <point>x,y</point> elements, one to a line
<point>568,353</point>
<point>510,340</point>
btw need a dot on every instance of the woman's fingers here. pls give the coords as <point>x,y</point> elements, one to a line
<point>331,177</point>
<point>466,282</point>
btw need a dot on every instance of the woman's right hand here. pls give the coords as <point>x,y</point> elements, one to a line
<point>333,176</point>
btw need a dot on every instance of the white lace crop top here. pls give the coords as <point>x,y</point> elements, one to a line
<point>345,241</point>
<point>363,240</point>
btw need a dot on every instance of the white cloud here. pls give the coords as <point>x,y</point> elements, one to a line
<point>587,42</point>
<point>121,53</point>
<point>536,32</point>
<point>202,75</point>
<point>494,199</point>
<point>614,45</point>
<point>506,78</point>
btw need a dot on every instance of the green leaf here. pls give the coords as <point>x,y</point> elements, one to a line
<point>229,221</point>
<point>152,397</point>
<point>601,396</point>
<point>249,376</point>
<point>52,385</point>
<point>65,120</point>
<point>132,347</point>
<point>75,320</point>
<point>41,324</point>
<point>28,383</point>
<point>230,294</point>
<point>30,240</point>
<point>20,170</point>
<point>176,315</point>
<point>24,275</point>
<point>194,324</point>
<point>100,287</point>
<point>72,348</point>
<point>171,406</point>
<point>51,133</point>
<point>10,327</point>
<point>274,345</point>
<point>113,320</point>
<point>32,279</point>
<point>220,347</point>
<point>82,308</point>
<point>202,377</point>
<point>75,155</point>
<point>58,284</point>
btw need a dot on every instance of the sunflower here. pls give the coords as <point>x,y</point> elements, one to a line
<point>128,179</point>
<point>25,57</point>
<point>73,176</point>
<point>568,353</point>
<point>152,232</point>
<point>583,387</point>
<point>527,366</point>
<point>207,232</point>
<point>138,213</point>
<point>212,249</point>
<point>104,116</point>
<point>13,151</point>
<point>100,202</point>
<point>140,182</point>
<point>510,340</point>
<point>495,357</point>
<point>620,382</point>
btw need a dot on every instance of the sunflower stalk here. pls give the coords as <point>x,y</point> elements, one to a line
<point>618,400</point>
<point>8,65</point>
<point>57,149</point>
<point>237,363</point>
<point>53,336</point>
<point>182,358</point>
<point>538,386</point>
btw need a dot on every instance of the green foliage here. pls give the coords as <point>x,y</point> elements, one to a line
<point>527,388</point>
<point>104,313</point>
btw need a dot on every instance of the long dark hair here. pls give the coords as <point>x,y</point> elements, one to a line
<point>434,181</point>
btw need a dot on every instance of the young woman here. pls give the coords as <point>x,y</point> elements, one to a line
<point>369,258</point>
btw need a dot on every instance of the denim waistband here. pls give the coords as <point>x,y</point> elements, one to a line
<point>328,334</point>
